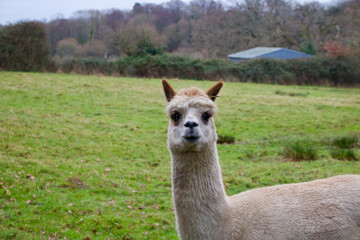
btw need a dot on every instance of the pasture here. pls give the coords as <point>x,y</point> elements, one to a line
<point>85,157</point>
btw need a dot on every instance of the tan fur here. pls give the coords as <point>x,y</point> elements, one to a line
<point>327,209</point>
<point>191,92</point>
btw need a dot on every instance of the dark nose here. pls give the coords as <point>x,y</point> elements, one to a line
<point>191,124</point>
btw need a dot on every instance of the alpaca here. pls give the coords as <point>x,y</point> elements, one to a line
<point>317,210</point>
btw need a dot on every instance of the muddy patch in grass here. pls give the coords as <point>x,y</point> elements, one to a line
<point>73,182</point>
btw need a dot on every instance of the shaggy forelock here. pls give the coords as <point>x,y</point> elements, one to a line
<point>191,97</point>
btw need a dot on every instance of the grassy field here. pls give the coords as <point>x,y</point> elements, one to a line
<point>84,157</point>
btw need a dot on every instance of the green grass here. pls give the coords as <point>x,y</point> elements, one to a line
<point>346,141</point>
<point>344,154</point>
<point>85,156</point>
<point>300,150</point>
<point>291,94</point>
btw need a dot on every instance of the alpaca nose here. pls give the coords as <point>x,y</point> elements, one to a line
<point>191,124</point>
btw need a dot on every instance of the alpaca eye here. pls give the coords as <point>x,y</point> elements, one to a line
<point>206,116</point>
<point>175,116</point>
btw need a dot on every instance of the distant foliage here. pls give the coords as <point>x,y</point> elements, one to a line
<point>336,49</point>
<point>23,47</point>
<point>137,38</point>
<point>210,29</point>
<point>309,48</point>
<point>69,48</point>
<point>315,71</point>
<point>202,29</point>
<point>145,47</point>
<point>89,66</point>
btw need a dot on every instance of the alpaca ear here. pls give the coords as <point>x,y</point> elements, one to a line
<point>168,90</point>
<point>213,92</point>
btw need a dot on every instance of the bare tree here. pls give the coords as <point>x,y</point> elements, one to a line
<point>176,8</point>
<point>137,30</point>
<point>209,29</point>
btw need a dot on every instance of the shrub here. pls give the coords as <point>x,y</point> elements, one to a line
<point>68,48</point>
<point>344,154</point>
<point>146,46</point>
<point>225,139</point>
<point>336,49</point>
<point>88,66</point>
<point>315,71</point>
<point>300,150</point>
<point>94,48</point>
<point>23,47</point>
<point>346,141</point>
<point>291,94</point>
<point>282,93</point>
<point>265,71</point>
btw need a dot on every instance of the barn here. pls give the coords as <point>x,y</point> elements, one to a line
<point>267,52</point>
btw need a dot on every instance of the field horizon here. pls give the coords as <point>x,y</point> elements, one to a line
<point>85,157</point>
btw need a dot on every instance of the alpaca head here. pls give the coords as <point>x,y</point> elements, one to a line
<point>191,127</point>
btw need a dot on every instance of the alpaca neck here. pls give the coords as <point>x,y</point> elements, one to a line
<point>198,193</point>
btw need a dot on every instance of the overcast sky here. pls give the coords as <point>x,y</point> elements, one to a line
<point>14,10</point>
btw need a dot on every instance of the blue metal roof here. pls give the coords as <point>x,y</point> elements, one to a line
<point>267,52</point>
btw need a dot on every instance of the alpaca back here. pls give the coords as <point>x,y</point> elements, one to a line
<point>321,209</point>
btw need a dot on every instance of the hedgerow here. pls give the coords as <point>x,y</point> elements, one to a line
<point>314,71</point>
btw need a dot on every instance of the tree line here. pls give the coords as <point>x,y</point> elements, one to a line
<point>205,28</point>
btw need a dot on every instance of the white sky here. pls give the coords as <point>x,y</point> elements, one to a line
<point>14,10</point>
